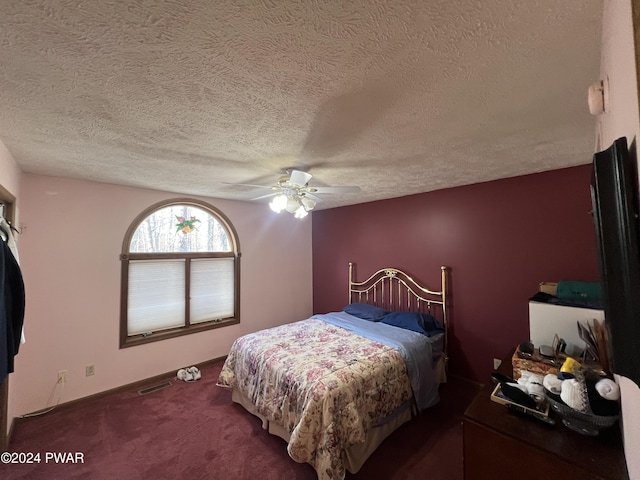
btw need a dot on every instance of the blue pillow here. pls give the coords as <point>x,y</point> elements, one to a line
<point>365,311</point>
<point>417,322</point>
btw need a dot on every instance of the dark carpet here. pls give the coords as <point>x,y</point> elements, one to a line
<point>194,431</point>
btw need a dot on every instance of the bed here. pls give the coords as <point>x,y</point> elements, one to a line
<point>335,385</point>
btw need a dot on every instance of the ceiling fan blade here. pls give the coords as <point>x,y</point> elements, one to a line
<point>300,178</point>
<point>334,189</point>
<point>247,185</point>
<point>313,197</point>
<point>268,195</point>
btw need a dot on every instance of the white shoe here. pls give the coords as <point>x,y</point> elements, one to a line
<point>184,374</point>
<point>195,374</point>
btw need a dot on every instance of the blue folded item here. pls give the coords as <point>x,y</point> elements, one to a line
<point>417,322</point>
<point>365,311</point>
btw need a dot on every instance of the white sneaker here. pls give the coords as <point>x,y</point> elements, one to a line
<point>184,374</point>
<point>195,374</point>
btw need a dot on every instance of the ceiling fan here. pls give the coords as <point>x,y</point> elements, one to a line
<point>293,193</point>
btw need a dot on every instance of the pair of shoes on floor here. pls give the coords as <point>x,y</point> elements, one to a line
<point>190,374</point>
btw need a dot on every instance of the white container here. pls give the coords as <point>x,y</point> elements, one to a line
<point>547,320</point>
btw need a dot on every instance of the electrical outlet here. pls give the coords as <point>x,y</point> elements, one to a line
<point>62,376</point>
<point>90,370</point>
<point>496,363</point>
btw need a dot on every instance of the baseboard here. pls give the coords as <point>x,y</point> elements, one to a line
<point>10,432</point>
<point>97,396</point>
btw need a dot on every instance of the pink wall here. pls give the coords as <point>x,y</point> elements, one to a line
<point>501,239</point>
<point>70,246</point>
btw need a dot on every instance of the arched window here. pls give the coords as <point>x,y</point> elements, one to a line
<point>180,272</point>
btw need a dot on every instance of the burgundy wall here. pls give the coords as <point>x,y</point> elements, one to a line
<point>500,239</point>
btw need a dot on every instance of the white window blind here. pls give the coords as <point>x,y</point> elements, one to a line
<point>156,295</point>
<point>212,289</point>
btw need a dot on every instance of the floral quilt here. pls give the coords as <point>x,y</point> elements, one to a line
<point>325,385</point>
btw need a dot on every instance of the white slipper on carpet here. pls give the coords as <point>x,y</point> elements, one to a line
<point>195,374</point>
<point>184,374</point>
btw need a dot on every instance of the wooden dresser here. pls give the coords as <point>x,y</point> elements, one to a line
<point>500,445</point>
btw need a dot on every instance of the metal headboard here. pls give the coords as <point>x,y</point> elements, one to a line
<point>394,290</point>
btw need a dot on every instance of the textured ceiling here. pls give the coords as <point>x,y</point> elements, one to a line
<point>397,97</point>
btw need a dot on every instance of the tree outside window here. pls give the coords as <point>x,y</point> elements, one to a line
<point>180,272</point>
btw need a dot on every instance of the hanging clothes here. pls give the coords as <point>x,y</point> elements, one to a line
<point>6,233</point>
<point>12,303</point>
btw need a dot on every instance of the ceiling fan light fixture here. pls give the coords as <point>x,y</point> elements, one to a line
<point>293,193</point>
<point>301,212</point>
<point>293,203</point>
<point>279,203</point>
<point>307,203</point>
<point>297,205</point>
